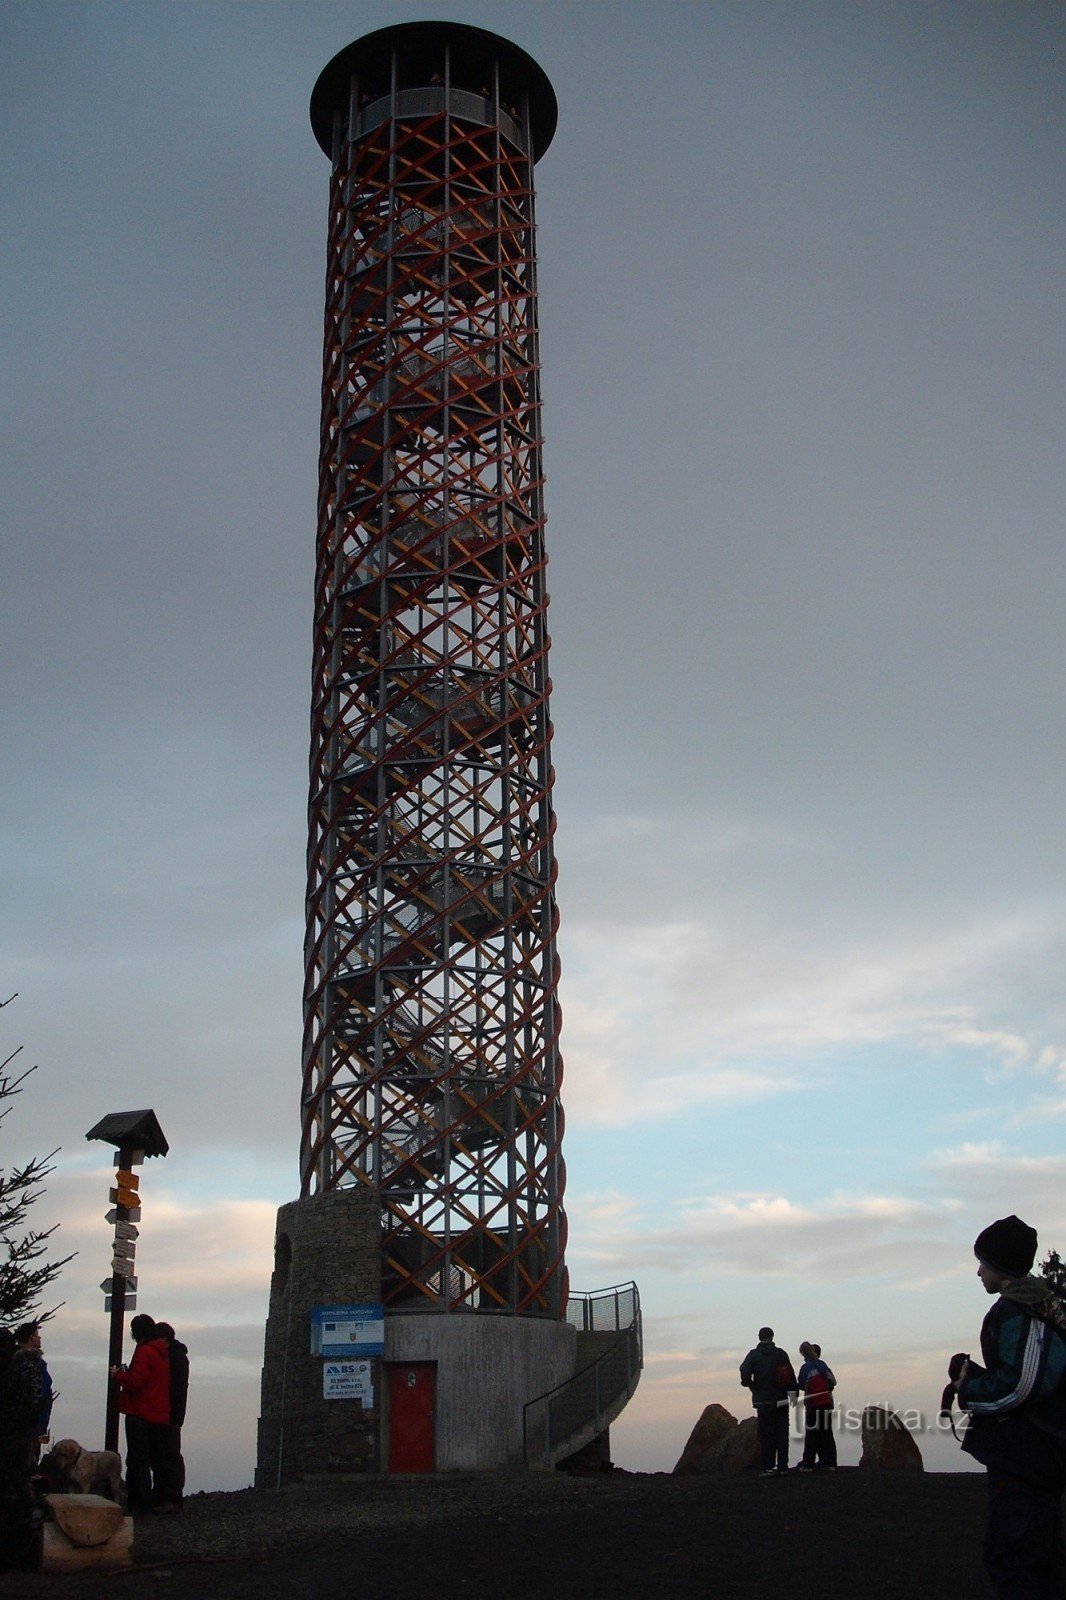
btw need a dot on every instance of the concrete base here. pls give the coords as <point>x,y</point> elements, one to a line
<point>488,1366</point>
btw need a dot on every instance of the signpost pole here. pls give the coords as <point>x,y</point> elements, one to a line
<point>124,1159</point>
<point>114,1359</point>
<point>136,1134</point>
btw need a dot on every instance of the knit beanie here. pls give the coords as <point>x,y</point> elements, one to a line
<point>1008,1245</point>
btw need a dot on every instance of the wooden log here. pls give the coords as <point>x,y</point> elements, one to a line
<point>59,1555</point>
<point>86,1519</point>
<point>88,1533</point>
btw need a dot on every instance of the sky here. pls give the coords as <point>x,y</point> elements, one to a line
<point>804,357</point>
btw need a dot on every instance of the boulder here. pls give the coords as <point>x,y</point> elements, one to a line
<point>887,1443</point>
<point>715,1425</point>
<point>738,1450</point>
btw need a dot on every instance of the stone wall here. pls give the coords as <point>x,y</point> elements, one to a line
<point>327,1251</point>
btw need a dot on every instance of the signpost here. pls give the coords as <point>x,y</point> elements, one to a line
<point>136,1134</point>
<point>126,1199</point>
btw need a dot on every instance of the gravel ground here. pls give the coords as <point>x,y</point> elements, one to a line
<point>613,1536</point>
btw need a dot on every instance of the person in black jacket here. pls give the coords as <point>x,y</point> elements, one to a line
<point>170,1485</point>
<point>768,1372</point>
<point>19,1406</point>
<point>1016,1400</point>
<point>33,1374</point>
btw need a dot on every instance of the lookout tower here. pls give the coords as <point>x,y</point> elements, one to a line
<point>430,1224</point>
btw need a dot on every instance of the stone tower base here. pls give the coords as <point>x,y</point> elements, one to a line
<point>486,1365</point>
<point>327,1251</point>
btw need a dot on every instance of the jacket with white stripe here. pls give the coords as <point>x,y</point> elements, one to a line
<point>1017,1399</point>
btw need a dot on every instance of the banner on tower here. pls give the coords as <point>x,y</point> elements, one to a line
<point>338,1331</point>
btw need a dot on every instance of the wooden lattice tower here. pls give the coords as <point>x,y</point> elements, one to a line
<point>431,1053</point>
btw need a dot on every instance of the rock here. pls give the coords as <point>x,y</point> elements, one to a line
<point>887,1443</point>
<point>714,1425</point>
<point>737,1451</point>
<point>718,1443</point>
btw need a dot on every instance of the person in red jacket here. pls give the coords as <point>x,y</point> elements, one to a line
<point>145,1402</point>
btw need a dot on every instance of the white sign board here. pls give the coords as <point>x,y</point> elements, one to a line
<point>348,1380</point>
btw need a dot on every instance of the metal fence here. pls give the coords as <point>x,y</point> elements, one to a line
<point>604,1309</point>
<point>569,1416</point>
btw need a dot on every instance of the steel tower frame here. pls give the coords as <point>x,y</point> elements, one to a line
<point>431,1069</point>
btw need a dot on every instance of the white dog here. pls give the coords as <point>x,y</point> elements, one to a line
<point>88,1471</point>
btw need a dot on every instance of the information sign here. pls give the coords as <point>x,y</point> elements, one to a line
<point>348,1380</point>
<point>338,1331</point>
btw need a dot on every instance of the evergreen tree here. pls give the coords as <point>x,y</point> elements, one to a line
<point>24,1275</point>
<point>1053,1270</point>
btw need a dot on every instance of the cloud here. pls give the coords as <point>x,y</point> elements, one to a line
<point>1042,1108</point>
<point>769,1236</point>
<point>988,1178</point>
<point>1007,1050</point>
<point>729,1005</point>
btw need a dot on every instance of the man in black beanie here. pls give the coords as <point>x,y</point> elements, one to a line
<point>1016,1403</point>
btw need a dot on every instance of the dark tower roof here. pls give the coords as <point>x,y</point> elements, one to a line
<point>421,48</point>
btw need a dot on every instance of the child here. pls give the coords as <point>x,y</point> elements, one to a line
<point>1017,1406</point>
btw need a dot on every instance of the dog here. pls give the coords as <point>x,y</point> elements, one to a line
<point>83,1471</point>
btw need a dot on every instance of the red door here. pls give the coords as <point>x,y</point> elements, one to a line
<point>412,1407</point>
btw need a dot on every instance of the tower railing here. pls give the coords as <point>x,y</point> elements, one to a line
<point>604,1310</point>
<point>565,1419</point>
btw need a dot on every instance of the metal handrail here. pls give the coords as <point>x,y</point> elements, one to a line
<point>555,1423</point>
<point>582,1309</point>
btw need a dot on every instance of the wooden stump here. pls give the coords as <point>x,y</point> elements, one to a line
<point>88,1533</point>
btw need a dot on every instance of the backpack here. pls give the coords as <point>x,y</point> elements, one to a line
<point>784,1377</point>
<point>818,1391</point>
